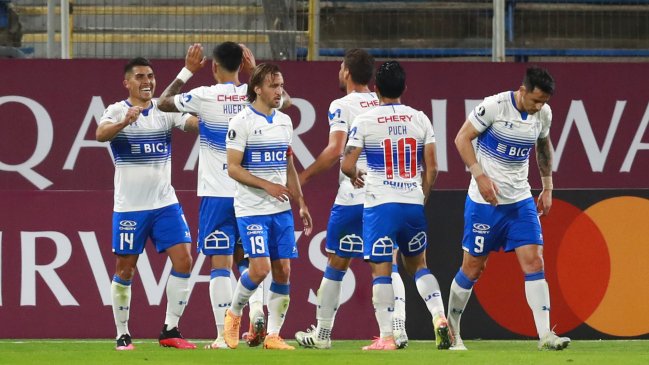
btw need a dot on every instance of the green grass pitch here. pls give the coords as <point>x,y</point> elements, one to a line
<point>17,352</point>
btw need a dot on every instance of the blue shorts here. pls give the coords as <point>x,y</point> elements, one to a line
<point>166,226</point>
<point>217,226</point>
<point>345,231</point>
<point>268,235</point>
<point>508,226</point>
<point>393,224</point>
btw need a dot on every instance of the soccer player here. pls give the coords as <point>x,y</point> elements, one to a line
<point>400,145</point>
<point>145,203</point>
<point>218,236</point>
<point>260,160</point>
<point>499,209</point>
<point>345,227</point>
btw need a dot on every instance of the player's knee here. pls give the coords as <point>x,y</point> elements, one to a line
<point>473,270</point>
<point>126,272</point>
<point>532,265</point>
<point>282,274</point>
<point>183,263</point>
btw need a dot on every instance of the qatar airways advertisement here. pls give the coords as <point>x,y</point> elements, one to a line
<point>56,191</point>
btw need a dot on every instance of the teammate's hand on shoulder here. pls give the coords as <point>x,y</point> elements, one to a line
<point>194,60</point>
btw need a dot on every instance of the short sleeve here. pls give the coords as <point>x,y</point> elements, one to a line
<point>338,117</point>
<point>179,120</point>
<point>237,133</point>
<point>484,114</point>
<point>356,136</point>
<point>190,101</point>
<point>546,121</point>
<point>429,134</point>
<point>113,114</point>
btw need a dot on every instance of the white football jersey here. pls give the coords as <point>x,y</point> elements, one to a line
<point>393,137</point>
<point>264,141</point>
<point>503,148</point>
<point>142,157</point>
<point>341,115</point>
<point>215,105</point>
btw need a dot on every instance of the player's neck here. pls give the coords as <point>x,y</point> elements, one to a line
<point>261,107</point>
<point>224,78</point>
<point>388,101</point>
<point>517,99</point>
<point>355,88</point>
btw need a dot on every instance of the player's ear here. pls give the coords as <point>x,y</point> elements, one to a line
<point>215,67</point>
<point>125,83</point>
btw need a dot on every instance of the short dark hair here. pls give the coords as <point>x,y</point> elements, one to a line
<point>391,79</point>
<point>137,61</point>
<point>228,55</point>
<point>360,65</point>
<point>258,76</point>
<point>540,78</point>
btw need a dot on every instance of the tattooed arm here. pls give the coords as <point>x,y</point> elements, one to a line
<point>544,159</point>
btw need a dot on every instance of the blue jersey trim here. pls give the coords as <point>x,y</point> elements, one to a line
<point>523,114</point>
<point>269,118</point>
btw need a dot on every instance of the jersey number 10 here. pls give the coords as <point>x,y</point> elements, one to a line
<point>406,157</point>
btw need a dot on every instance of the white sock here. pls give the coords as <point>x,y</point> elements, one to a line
<point>428,289</point>
<point>177,297</point>
<point>256,302</point>
<point>328,300</point>
<point>121,294</point>
<point>278,301</point>
<point>220,296</point>
<point>538,298</point>
<point>243,291</point>
<point>383,301</point>
<point>399,294</point>
<point>457,300</point>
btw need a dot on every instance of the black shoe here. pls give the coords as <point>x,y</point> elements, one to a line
<point>124,342</point>
<point>173,338</point>
<point>172,333</point>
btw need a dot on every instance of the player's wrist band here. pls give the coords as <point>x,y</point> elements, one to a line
<point>546,181</point>
<point>184,75</point>
<point>476,170</point>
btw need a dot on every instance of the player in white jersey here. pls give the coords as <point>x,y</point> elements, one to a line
<point>260,161</point>
<point>401,169</point>
<point>145,203</point>
<point>345,226</point>
<point>499,209</point>
<point>218,237</point>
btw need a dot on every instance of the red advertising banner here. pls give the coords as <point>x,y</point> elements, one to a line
<point>56,184</point>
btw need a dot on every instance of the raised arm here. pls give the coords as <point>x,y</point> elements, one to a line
<point>544,153</point>
<point>430,170</point>
<point>106,131</point>
<point>463,140</point>
<point>293,184</point>
<point>327,158</point>
<point>194,61</point>
<point>240,174</point>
